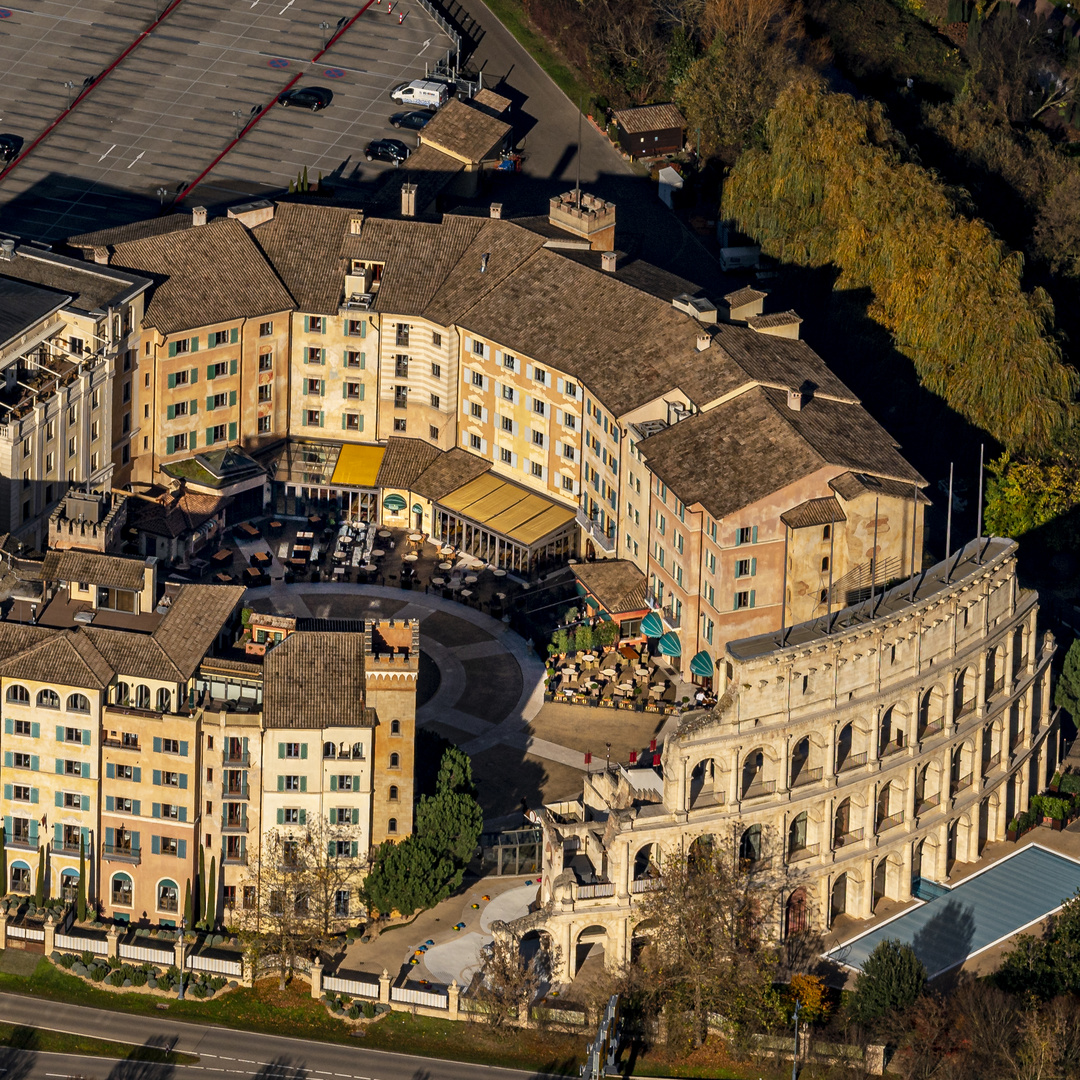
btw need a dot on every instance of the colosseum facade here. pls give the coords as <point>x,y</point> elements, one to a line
<point>845,760</point>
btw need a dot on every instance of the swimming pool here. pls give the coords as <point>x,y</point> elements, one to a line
<point>978,912</point>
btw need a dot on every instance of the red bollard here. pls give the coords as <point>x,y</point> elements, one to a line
<point>389,6</point>
<point>401,18</point>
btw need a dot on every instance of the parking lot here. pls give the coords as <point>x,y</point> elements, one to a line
<point>175,103</point>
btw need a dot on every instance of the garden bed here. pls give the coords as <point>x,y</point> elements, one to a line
<point>145,978</point>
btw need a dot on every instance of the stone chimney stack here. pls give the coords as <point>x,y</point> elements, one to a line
<point>198,215</point>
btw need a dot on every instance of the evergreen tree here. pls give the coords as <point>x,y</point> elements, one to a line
<point>200,885</point>
<point>39,888</point>
<point>211,895</point>
<point>188,912</point>
<point>892,977</point>
<point>3,859</point>
<point>408,876</point>
<point>1067,691</point>
<point>81,893</point>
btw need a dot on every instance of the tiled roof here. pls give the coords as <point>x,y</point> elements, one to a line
<point>404,460</point>
<point>490,102</point>
<point>617,583</point>
<point>649,118</point>
<point>305,246</point>
<point>109,571</point>
<point>753,445</point>
<point>742,297</point>
<point>211,273</point>
<point>851,485</point>
<point>133,654</point>
<point>429,168</point>
<point>136,230</point>
<point>461,131</point>
<point>315,680</point>
<point>822,511</point>
<point>67,658</point>
<point>777,318</point>
<point>193,622</point>
<point>16,637</point>
<point>176,516</point>
<point>448,472</point>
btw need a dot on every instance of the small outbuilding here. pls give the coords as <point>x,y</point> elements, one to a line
<point>650,130</point>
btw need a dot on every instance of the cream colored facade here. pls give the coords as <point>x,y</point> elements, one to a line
<point>837,767</point>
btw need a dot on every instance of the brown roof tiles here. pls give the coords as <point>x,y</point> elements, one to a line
<point>471,135</point>
<point>315,679</point>
<point>649,118</point>
<point>191,625</point>
<point>404,460</point>
<point>448,472</point>
<point>618,584</point>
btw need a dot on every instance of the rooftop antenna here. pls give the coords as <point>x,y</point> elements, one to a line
<point>577,190</point>
<point>832,546</point>
<point>978,528</point>
<point>873,561</point>
<point>914,530</point>
<point>948,526</point>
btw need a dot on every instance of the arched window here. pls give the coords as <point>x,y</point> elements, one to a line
<point>48,699</point>
<point>395,727</point>
<point>168,896</point>
<point>122,694</point>
<point>750,846</point>
<point>78,703</point>
<point>20,877</point>
<point>69,884</point>
<point>18,695</point>
<point>797,835</point>
<point>393,793</point>
<point>164,700</point>
<point>329,750</point>
<point>391,827</point>
<point>142,696</point>
<point>394,761</point>
<point>121,890</point>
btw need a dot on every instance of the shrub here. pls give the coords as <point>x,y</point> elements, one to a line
<point>68,960</point>
<point>152,983</point>
<point>218,982</point>
<point>892,977</point>
<point>138,978</point>
<point>81,970</point>
<point>87,958</point>
<point>114,978</point>
<point>1070,784</point>
<point>354,1012</point>
<point>369,1010</point>
<point>97,973</point>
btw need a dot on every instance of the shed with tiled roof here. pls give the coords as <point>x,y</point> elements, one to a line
<point>650,130</point>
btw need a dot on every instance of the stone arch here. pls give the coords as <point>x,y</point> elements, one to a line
<point>928,785</point>
<point>995,670</point>
<point>759,772</point>
<point>926,858</point>
<point>538,947</point>
<point>586,941</point>
<point>1020,638</point>
<point>888,872</point>
<point>1017,722</point>
<point>798,837</point>
<point>164,700</point>
<point>962,766</point>
<point>932,711</point>
<point>844,894</point>
<point>641,936</point>
<point>647,862</point>
<point>965,691</point>
<point>847,822</point>
<point>807,760</point>
<point>701,853</point>
<point>889,810</point>
<point>991,743</point>
<point>853,744</point>
<point>122,694</point>
<point>708,783</point>
<point>894,729</point>
<point>142,696</point>
<point>751,845</point>
<point>797,912</point>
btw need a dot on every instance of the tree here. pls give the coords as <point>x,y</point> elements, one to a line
<point>3,859</point>
<point>607,633</point>
<point>189,919</point>
<point>451,820</point>
<point>1067,691</point>
<point>710,948</point>
<point>892,977</point>
<point>407,876</point>
<point>200,885</point>
<point>1049,965</point>
<point>509,981</point>
<point>39,887</point>
<point>211,895</point>
<point>809,990</point>
<point>80,894</point>
<point>583,637</point>
<point>1024,494</point>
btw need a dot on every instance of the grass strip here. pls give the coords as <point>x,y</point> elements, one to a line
<point>34,1040</point>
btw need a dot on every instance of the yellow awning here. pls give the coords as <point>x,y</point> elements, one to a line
<point>358,466</point>
<point>539,527</point>
<point>473,491</point>
<point>503,507</point>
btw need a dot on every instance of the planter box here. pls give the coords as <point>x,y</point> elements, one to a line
<point>1011,835</point>
<point>1057,824</point>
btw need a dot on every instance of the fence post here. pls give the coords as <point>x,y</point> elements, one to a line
<point>316,979</point>
<point>384,987</point>
<point>247,970</point>
<point>112,937</point>
<point>875,1060</point>
<point>50,934</point>
<point>453,995</point>
<point>3,929</point>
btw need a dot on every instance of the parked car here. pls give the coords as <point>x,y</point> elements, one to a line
<point>425,92</point>
<point>392,150</point>
<point>10,145</point>
<point>307,97</point>
<point>414,120</point>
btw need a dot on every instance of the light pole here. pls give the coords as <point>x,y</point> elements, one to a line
<point>238,115</point>
<point>324,26</point>
<point>69,86</point>
<point>180,995</point>
<point>795,1056</point>
<point>161,193</point>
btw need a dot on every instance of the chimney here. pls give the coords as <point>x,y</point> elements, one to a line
<point>496,210</point>
<point>198,215</point>
<point>101,255</point>
<point>703,342</point>
<point>408,200</point>
<point>356,224</point>
<point>7,250</point>
<point>795,400</point>
<point>608,260</point>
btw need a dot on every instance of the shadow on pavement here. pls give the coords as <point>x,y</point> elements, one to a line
<point>18,1056</point>
<point>134,1068</point>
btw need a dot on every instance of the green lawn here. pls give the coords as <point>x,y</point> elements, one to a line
<point>511,14</point>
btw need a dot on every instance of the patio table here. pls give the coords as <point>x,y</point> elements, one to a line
<point>223,578</point>
<point>385,534</point>
<point>438,581</point>
<point>446,566</point>
<point>339,571</point>
<point>377,553</point>
<point>416,537</point>
<point>370,567</point>
<point>500,596</point>
<point>470,579</point>
<point>223,555</point>
<point>499,572</point>
<point>466,592</point>
<point>410,557</point>
<point>627,686</point>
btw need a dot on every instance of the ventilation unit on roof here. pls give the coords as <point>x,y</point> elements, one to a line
<point>363,301</point>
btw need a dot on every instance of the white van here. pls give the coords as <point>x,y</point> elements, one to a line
<point>425,93</point>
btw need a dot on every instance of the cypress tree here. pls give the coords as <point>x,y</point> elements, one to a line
<point>39,888</point>
<point>200,885</point>
<point>81,894</point>
<point>3,859</point>
<point>211,895</point>
<point>188,913</point>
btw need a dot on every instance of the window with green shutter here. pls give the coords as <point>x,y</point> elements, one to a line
<point>170,412</point>
<point>232,397</point>
<point>232,432</point>
<point>193,407</point>
<point>194,344</point>
<point>303,816</point>
<point>363,330</point>
<point>232,366</point>
<point>363,360</point>
<point>193,441</point>
<point>194,376</point>
<point>169,444</point>
<point>234,337</point>
<point>172,378</point>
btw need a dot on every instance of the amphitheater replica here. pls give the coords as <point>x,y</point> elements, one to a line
<point>846,759</point>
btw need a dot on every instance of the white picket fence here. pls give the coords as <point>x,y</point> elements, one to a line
<point>80,944</point>
<point>150,956</point>
<point>350,986</point>
<point>26,933</point>
<point>217,965</point>
<point>591,892</point>
<point>419,997</point>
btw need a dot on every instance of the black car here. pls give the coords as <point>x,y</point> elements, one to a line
<point>10,145</point>
<point>392,150</point>
<point>414,121</point>
<point>307,97</point>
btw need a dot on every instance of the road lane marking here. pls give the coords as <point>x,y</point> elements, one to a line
<point>107,152</point>
<point>286,7</point>
<point>137,159</point>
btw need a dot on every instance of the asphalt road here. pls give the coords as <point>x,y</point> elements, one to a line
<point>223,1052</point>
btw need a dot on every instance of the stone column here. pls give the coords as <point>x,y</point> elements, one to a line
<point>316,979</point>
<point>621,950</point>
<point>625,874</point>
<point>112,938</point>
<point>384,987</point>
<point>829,769</point>
<point>916,715</point>
<point>736,776</point>
<point>866,896</point>
<point>50,934</point>
<point>453,994</point>
<point>980,685</point>
<point>909,797</point>
<point>3,929</point>
<point>782,781</point>
<point>871,812</point>
<point>1025,788</point>
<point>1032,639</point>
<point>950,701</point>
<point>1028,714</point>
<point>942,853</point>
<point>1009,646</point>
<point>682,793</point>
<point>905,872</point>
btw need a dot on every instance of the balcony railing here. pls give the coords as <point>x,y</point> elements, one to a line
<point>22,841</point>
<point>61,847</point>
<point>240,759</point>
<point>966,708</point>
<point>891,747</point>
<point>928,803</point>
<point>121,744</point>
<point>235,858</point>
<point>759,788</point>
<point>123,853</point>
<point>646,884</point>
<point>997,686</point>
<point>234,791</point>
<point>991,762</point>
<point>852,761</point>
<point>594,892</point>
<point>594,530</point>
<point>961,783</point>
<point>890,822</point>
<point>932,728</point>
<point>671,617</point>
<point>807,851</point>
<point>806,776</point>
<point>852,836</point>
<point>239,825</point>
